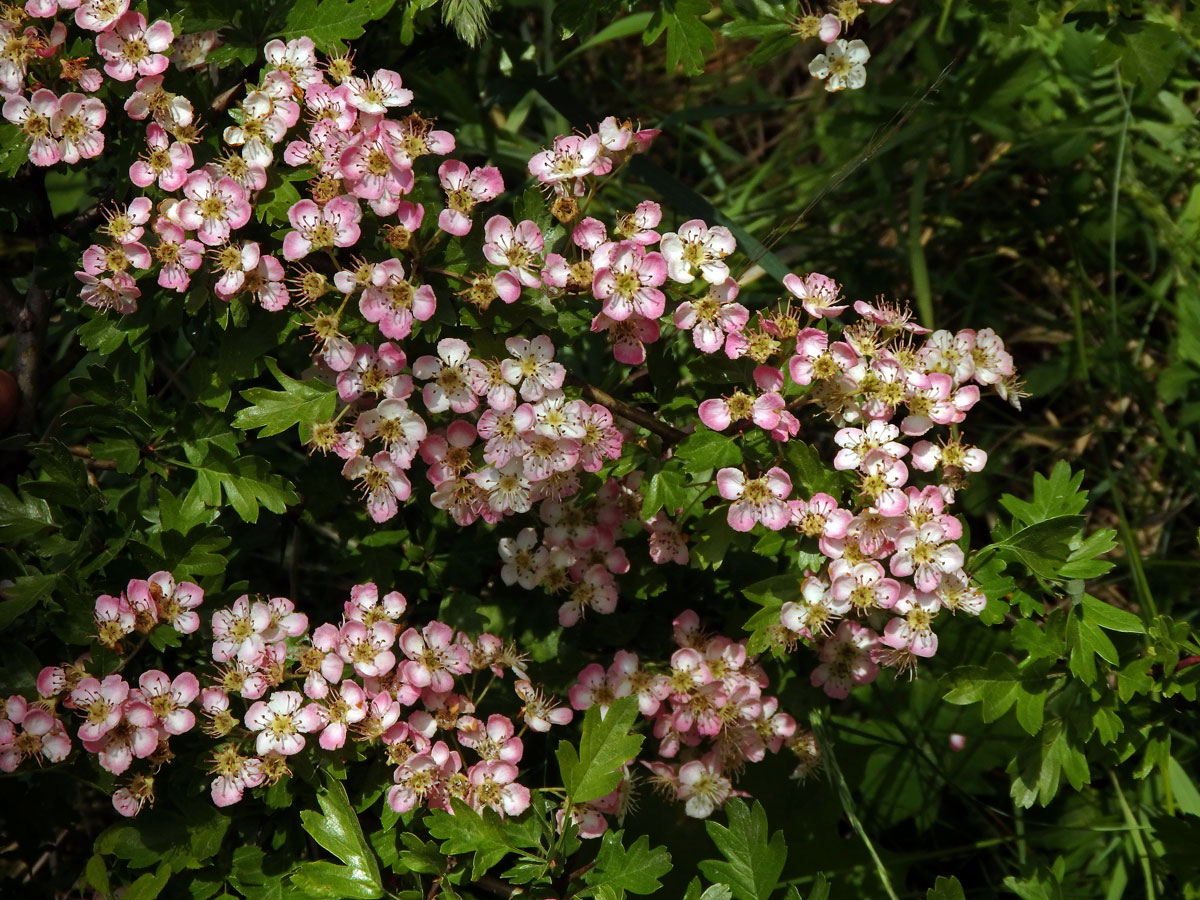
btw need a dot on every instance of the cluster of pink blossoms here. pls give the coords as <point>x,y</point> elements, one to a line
<point>501,436</point>
<point>708,711</point>
<point>393,690</point>
<point>517,440</point>
<point>45,92</point>
<point>893,561</point>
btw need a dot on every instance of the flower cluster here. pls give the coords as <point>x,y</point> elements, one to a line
<point>843,64</point>
<point>893,561</point>
<point>577,554</point>
<point>708,710</point>
<point>498,424</point>
<point>46,93</point>
<point>276,689</point>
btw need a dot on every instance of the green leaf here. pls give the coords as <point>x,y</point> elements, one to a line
<point>488,836</point>
<point>753,862</point>
<point>665,489</point>
<point>330,23</point>
<point>1058,495</point>
<point>1109,617</point>
<point>820,889</point>
<point>24,594</point>
<point>604,747</point>
<point>1147,51</point>
<point>1085,641</point>
<point>1187,798</point>
<point>301,403</point>
<point>336,828</point>
<point>945,889</point>
<point>1044,547</point>
<point>688,37</point>
<point>705,451</point>
<point>22,517</point>
<point>247,483</point>
<point>1000,686</point>
<point>635,869</point>
<point>148,886</point>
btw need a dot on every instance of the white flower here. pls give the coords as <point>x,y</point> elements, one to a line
<point>844,65</point>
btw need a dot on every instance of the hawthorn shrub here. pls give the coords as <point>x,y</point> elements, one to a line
<point>495,512</point>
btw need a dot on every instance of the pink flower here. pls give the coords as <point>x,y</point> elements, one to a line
<point>100,704</point>
<point>712,317</point>
<point>540,713</point>
<point>820,517</point>
<point>596,591</point>
<point>465,189</point>
<point>696,246</point>
<point>702,786</point>
<point>238,631</point>
<point>864,586</point>
<point>371,169</point>
<point>298,58</point>
<point>596,687</point>
<point>763,410</point>
<point>628,337</point>
<point>235,773</point>
<point>375,371</point>
<point>601,439</point>
<point>394,302</point>
<point>858,443</point>
<point>626,280</point>
<point>377,94</point>
<point>321,228</point>
<point>493,786</point>
<point>932,399</point>
<point>383,482</point>
<point>115,619</point>
<point>99,15</point>
<point>883,476</point>
<point>177,255</point>
<point>282,721</point>
<point>170,110</point>
<point>135,735</point>
<point>264,122</point>
<point>920,552</point>
<point>40,735</point>
<point>34,116</point>
<point>76,123</point>
<point>927,456</point>
<point>169,699</point>
<point>399,428</point>
<point>846,660</point>
<point>524,561</point>
<point>570,159</point>
<point>447,376</point>
<point>639,225</point>
<point>494,741</point>
<point>504,432</point>
<point>433,658</point>
<point>817,293</point>
<point>519,248</point>
<point>216,205</point>
<point>131,49</point>
<point>667,542</point>
<point>368,649</point>
<point>118,293</point>
<point>913,631</point>
<point>757,499</point>
<point>417,779</point>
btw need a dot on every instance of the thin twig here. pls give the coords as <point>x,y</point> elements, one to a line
<point>646,420</point>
